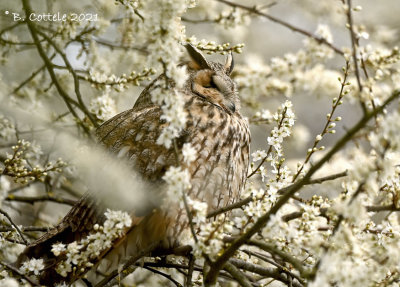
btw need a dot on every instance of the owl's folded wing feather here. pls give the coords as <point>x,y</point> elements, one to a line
<point>133,135</point>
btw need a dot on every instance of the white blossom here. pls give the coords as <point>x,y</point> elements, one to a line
<point>81,254</point>
<point>32,266</point>
<point>189,153</point>
<point>178,181</point>
<point>103,107</point>
<point>258,155</point>
<point>58,248</point>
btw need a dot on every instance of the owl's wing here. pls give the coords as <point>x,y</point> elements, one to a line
<point>133,135</point>
<point>77,224</point>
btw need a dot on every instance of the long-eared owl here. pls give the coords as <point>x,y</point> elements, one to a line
<point>214,128</point>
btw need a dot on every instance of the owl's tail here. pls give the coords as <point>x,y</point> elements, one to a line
<point>146,232</point>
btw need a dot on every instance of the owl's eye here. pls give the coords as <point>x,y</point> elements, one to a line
<point>211,85</point>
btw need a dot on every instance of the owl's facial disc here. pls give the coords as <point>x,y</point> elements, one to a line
<point>212,86</point>
<point>212,81</point>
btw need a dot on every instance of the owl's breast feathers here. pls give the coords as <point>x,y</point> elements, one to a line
<point>222,143</point>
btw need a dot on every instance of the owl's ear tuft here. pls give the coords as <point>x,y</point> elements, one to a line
<point>229,64</point>
<point>199,61</point>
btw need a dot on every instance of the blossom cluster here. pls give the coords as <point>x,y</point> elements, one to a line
<point>17,165</point>
<point>100,80</point>
<point>233,17</point>
<point>165,51</point>
<point>285,119</point>
<point>32,266</point>
<point>211,47</point>
<point>80,255</point>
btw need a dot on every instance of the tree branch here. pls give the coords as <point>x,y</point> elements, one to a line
<point>74,76</point>
<point>354,51</point>
<point>19,273</point>
<point>245,201</point>
<point>25,229</point>
<point>274,273</point>
<point>237,275</point>
<point>283,23</point>
<point>34,33</point>
<point>32,200</point>
<point>15,226</point>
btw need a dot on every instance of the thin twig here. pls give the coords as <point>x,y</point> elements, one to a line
<point>169,277</point>
<point>34,33</point>
<point>113,46</point>
<point>31,199</point>
<point>263,271</point>
<point>33,75</point>
<point>237,274</point>
<point>270,147</point>
<point>25,229</point>
<point>254,10</point>
<point>190,217</point>
<point>14,225</point>
<point>111,279</point>
<point>297,264</point>
<point>328,121</point>
<point>354,51</point>
<point>378,208</point>
<point>19,273</point>
<point>353,44</point>
<point>192,260</point>
<point>270,261</point>
<point>74,76</point>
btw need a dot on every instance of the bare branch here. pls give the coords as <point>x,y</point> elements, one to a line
<point>32,200</point>
<point>286,257</point>
<point>14,225</point>
<point>263,271</point>
<point>169,277</point>
<point>254,10</point>
<point>237,274</point>
<point>34,33</point>
<point>354,50</point>
<point>26,229</point>
<point>192,260</point>
<point>74,76</point>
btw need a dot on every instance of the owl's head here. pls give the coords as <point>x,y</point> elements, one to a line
<point>212,81</point>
